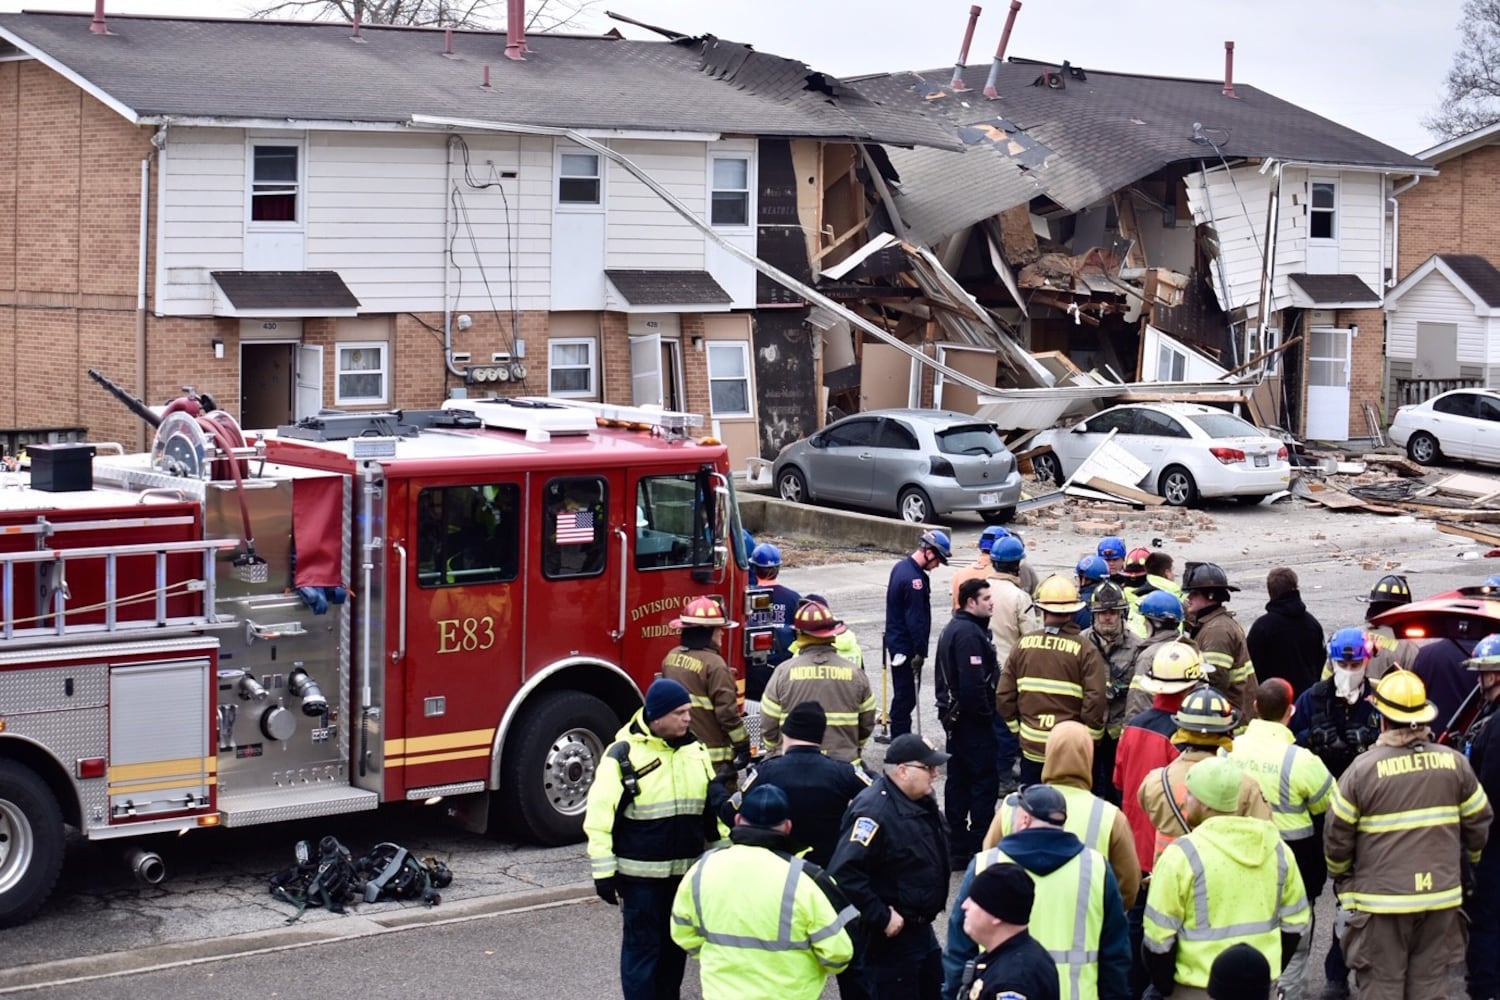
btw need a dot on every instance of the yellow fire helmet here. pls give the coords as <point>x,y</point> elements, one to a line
<point>1175,667</point>
<point>1059,595</point>
<point>1402,697</point>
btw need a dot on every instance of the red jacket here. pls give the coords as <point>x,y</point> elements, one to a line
<point>1145,745</point>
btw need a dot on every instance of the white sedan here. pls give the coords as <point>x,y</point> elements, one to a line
<point>1461,423</point>
<point>1193,451</point>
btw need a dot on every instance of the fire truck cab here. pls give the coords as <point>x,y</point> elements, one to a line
<point>458,605</point>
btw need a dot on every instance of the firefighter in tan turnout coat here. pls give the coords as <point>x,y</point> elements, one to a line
<point>819,674</point>
<point>698,666</point>
<point>1051,676</point>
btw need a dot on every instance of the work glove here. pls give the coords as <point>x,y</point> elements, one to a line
<point>741,756</point>
<point>918,661</point>
<point>604,888</point>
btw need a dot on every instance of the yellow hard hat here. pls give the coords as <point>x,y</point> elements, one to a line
<point>1175,667</point>
<point>1402,697</point>
<point>1059,595</point>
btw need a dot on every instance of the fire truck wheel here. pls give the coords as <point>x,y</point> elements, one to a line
<point>550,762</point>
<point>31,843</point>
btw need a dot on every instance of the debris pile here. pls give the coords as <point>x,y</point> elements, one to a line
<point>1461,503</point>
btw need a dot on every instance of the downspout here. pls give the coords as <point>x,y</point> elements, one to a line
<point>158,141</point>
<point>447,263</point>
<point>774,273</point>
<point>1395,200</point>
<point>1268,258</point>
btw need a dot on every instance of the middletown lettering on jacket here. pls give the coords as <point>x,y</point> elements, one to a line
<point>820,672</point>
<point>1421,761</point>
<point>1043,641</point>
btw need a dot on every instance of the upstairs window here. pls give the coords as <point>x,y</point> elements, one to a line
<point>730,200</point>
<point>1322,222</point>
<point>274,184</point>
<point>578,179</point>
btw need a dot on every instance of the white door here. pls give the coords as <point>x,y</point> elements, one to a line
<point>645,370</point>
<point>1328,384</point>
<point>309,380</point>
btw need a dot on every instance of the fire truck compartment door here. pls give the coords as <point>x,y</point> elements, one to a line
<point>160,757</point>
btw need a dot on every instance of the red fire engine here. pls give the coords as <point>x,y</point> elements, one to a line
<point>460,604</point>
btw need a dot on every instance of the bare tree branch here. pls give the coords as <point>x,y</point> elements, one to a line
<point>1471,98</point>
<point>542,15</point>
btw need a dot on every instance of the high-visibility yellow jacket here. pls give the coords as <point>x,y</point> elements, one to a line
<point>1134,596</point>
<point>1402,819</point>
<point>1067,917</point>
<point>846,644</point>
<point>759,925</point>
<point>1295,781</point>
<point>1230,881</point>
<point>667,826</point>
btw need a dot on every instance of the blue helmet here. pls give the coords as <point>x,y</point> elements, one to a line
<point>1092,569</point>
<point>1112,547</point>
<point>938,542</point>
<point>1493,581</point>
<point>989,536</point>
<point>1348,645</point>
<point>1161,606</point>
<point>1486,655</point>
<point>1009,549</point>
<point>765,556</point>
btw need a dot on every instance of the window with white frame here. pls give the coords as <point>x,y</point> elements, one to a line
<point>1322,212</point>
<point>578,179</point>
<point>730,199</point>
<point>571,366</point>
<point>729,378</point>
<point>1171,364</point>
<point>275,182</point>
<point>363,373</point>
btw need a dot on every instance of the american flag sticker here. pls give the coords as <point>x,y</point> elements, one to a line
<point>575,527</point>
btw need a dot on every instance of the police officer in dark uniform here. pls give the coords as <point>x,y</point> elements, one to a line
<point>1482,744</point>
<point>892,861</point>
<point>997,911</point>
<point>817,786</point>
<point>908,623</point>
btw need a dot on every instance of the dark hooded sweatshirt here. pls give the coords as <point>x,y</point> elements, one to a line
<point>1287,642</point>
<point>1041,851</point>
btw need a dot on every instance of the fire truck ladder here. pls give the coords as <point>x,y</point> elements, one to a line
<point>53,565</point>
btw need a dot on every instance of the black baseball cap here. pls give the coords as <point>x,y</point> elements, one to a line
<point>909,748</point>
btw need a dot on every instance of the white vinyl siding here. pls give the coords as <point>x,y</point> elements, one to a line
<point>1435,300</point>
<point>200,216</point>
<point>373,209</point>
<point>1360,221</point>
<point>642,231</point>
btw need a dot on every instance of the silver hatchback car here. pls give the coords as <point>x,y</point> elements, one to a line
<point>919,463</point>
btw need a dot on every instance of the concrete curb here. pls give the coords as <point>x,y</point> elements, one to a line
<point>353,925</point>
<point>782,517</point>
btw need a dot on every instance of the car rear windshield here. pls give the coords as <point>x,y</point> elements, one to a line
<point>970,439</point>
<point>1225,425</point>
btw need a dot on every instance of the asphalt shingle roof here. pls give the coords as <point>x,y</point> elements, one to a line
<point>1099,134</point>
<point>291,290</point>
<point>668,288</point>
<point>1332,289</point>
<point>314,71</point>
<point>1478,273</point>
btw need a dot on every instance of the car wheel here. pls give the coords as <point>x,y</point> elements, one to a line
<point>913,505</point>
<point>998,516</point>
<point>1047,468</point>
<point>1423,449</point>
<point>792,485</point>
<point>1177,486</point>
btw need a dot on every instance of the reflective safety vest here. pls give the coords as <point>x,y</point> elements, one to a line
<point>1208,892</point>
<point>1067,917</point>
<point>1090,818</point>
<point>759,925</point>
<point>1295,781</point>
<point>667,825</point>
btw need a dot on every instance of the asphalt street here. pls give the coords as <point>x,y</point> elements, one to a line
<point>101,929</point>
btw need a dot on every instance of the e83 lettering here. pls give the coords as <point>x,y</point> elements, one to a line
<point>465,635</point>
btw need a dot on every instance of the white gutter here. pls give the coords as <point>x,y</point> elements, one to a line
<point>1395,201</point>
<point>402,125</point>
<point>1366,168</point>
<point>775,274</point>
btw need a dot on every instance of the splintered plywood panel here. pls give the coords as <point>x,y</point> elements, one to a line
<point>1112,462</point>
<point>1465,484</point>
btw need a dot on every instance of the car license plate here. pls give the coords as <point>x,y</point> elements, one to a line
<point>989,499</point>
<point>1262,461</point>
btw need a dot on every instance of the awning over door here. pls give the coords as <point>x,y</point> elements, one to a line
<point>1332,291</point>
<point>282,293</point>
<point>665,291</point>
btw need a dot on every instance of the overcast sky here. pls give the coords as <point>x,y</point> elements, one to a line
<point>1374,65</point>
